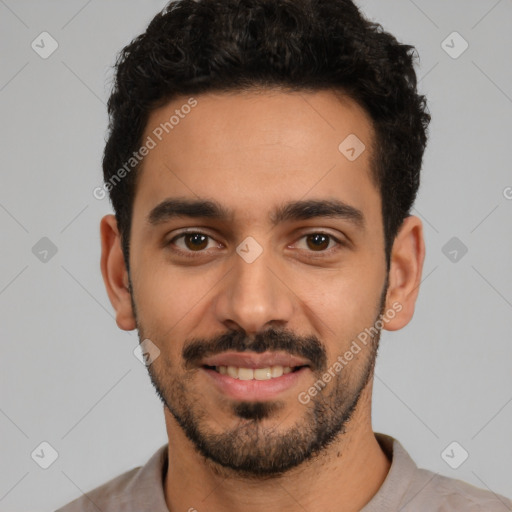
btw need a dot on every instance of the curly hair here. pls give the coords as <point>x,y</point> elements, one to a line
<point>197,46</point>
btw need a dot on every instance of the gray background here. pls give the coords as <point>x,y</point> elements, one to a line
<point>68,374</point>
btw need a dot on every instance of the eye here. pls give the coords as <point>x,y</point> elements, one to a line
<point>320,242</point>
<point>192,241</point>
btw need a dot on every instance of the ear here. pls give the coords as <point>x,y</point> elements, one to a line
<point>406,265</point>
<point>115,275</point>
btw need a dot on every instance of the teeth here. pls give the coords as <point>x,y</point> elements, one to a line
<point>268,373</point>
<point>262,373</point>
<point>245,374</point>
<point>232,371</point>
<point>277,371</point>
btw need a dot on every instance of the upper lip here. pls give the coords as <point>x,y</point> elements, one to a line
<point>252,360</point>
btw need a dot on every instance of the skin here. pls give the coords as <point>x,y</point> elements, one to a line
<point>251,152</point>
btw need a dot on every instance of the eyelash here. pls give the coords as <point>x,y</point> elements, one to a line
<point>196,254</point>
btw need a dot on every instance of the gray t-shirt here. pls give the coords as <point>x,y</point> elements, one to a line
<point>406,489</point>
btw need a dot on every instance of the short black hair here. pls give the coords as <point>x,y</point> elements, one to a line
<point>198,46</point>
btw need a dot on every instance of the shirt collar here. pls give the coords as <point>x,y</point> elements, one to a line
<point>402,469</point>
<point>149,481</point>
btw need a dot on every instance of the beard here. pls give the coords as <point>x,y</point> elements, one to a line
<point>255,448</point>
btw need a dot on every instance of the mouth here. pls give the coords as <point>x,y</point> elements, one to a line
<point>255,376</point>
<point>249,376</point>
<point>266,373</point>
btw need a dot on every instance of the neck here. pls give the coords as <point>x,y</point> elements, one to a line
<point>348,473</point>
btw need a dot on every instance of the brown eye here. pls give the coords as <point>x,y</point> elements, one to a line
<point>195,241</point>
<point>318,241</point>
<point>191,242</point>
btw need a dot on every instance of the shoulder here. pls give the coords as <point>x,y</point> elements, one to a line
<point>432,491</point>
<point>103,496</point>
<point>411,489</point>
<point>137,490</point>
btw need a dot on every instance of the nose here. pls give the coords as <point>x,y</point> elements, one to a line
<point>255,296</point>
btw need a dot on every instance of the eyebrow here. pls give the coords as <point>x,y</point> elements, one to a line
<point>291,211</point>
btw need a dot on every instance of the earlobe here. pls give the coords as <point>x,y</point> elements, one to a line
<point>407,257</point>
<point>115,275</point>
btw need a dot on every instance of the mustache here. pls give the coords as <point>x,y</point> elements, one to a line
<point>272,340</point>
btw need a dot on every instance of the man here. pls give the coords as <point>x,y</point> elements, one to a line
<point>262,161</point>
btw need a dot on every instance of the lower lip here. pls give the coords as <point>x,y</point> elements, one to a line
<point>254,389</point>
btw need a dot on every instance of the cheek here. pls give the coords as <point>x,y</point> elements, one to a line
<point>341,302</point>
<point>162,297</point>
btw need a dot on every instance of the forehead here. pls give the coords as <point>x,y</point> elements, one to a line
<point>248,147</point>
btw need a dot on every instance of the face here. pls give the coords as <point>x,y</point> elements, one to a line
<point>256,259</point>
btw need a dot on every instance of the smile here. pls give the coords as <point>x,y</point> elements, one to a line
<point>256,383</point>
<point>241,373</point>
